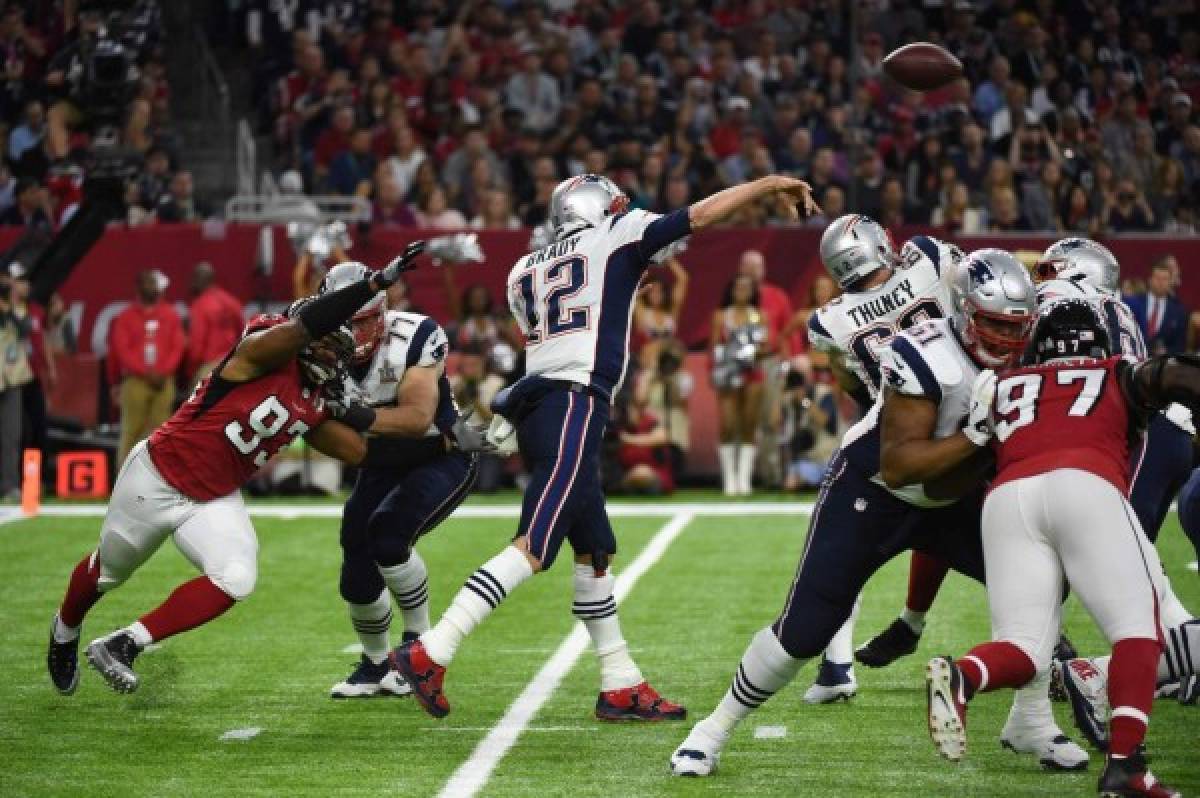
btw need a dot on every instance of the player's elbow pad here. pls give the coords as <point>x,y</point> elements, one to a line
<point>1163,380</point>
<point>327,312</point>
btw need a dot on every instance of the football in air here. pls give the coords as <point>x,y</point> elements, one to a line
<point>922,66</point>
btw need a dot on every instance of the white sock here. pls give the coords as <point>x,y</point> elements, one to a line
<point>1031,704</point>
<point>1181,655</point>
<point>63,633</point>
<point>371,623</point>
<point>409,583</point>
<point>1171,611</point>
<point>480,594</point>
<point>140,634</point>
<point>727,455</point>
<point>596,607</point>
<point>765,669</point>
<point>747,452</point>
<point>915,620</point>
<point>841,647</point>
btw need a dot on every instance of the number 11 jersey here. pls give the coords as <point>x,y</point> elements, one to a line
<point>574,299</point>
<point>220,437</point>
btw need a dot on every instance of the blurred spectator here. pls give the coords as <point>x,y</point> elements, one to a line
<point>351,171</point>
<point>474,385</point>
<point>496,213</point>
<point>29,209</point>
<point>1004,214</point>
<point>1041,198</point>
<point>406,159</point>
<point>434,213</point>
<point>973,160</point>
<point>664,388</point>
<point>215,323</point>
<point>656,314</point>
<point>738,341</point>
<point>458,166</point>
<point>1118,131</point>
<point>1162,317</point>
<point>180,203</point>
<point>145,347</point>
<point>1076,213</point>
<point>60,331</point>
<point>155,179</point>
<point>810,431</point>
<point>1127,210</point>
<point>15,373</point>
<point>644,453</point>
<point>955,215</point>
<point>29,134</point>
<point>533,93</point>
<point>990,95</point>
<point>811,363</point>
<point>32,318</point>
<point>389,208</point>
<point>1141,165</point>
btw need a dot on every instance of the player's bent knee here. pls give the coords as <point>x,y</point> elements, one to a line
<point>236,579</point>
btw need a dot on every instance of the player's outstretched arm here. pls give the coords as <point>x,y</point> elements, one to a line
<point>266,350</point>
<point>719,206</point>
<point>1159,381</point>
<point>335,439</point>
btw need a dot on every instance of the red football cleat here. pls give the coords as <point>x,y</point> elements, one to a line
<point>424,676</point>
<point>1129,778</point>
<point>640,702</point>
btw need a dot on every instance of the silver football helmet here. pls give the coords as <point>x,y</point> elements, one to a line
<point>584,201</point>
<point>996,303</point>
<point>1080,259</point>
<point>368,323</point>
<point>853,246</point>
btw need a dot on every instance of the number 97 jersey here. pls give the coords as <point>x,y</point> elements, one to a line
<point>221,436</point>
<point>1065,414</point>
<point>860,324</point>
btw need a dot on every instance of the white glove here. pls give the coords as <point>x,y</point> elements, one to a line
<point>457,248</point>
<point>502,435</point>
<point>979,419</point>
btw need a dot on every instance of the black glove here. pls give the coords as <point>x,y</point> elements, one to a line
<point>401,263</point>
<point>357,417</point>
<point>470,437</point>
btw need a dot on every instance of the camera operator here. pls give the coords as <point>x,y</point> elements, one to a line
<point>92,79</point>
<point>810,431</point>
<point>15,373</point>
<point>480,375</point>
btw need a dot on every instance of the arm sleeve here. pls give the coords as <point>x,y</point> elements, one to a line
<point>905,371</point>
<point>650,232</point>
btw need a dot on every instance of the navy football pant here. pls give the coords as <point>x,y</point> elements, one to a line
<point>1189,510</point>
<point>561,439</point>
<point>1160,467</point>
<point>389,509</point>
<point>856,527</point>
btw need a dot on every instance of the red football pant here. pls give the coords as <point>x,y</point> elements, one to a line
<point>925,576</point>
<point>990,666</point>
<point>190,605</point>
<point>82,591</point>
<point>1131,676</point>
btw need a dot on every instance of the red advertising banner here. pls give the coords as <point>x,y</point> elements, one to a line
<point>104,281</point>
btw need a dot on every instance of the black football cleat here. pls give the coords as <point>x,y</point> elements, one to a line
<point>1130,778</point>
<point>113,657</point>
<point>894,642</point>
<point>62,660</point>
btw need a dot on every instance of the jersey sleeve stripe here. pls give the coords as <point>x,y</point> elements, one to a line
<point>416,344</point>
<point>908,353</point>
<point>814,324</point>
<point>930,249</point>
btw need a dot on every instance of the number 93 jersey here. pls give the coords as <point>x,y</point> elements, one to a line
<point>1063,414</point>
<point>926,362</point>
<point>220,437</point>
<point>574,299</point>
<point>859,324</point>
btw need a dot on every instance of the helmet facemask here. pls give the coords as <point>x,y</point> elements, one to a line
<point>368,327</point>
<point>996,340</point>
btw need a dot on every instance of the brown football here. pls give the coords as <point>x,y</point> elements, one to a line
<point>922,66</point>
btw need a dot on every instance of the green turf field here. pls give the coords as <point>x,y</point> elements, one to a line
<point>270,662</point>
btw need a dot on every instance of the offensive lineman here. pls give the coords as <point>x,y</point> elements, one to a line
<point>1057,509</point>
<point>885,293</point>
<point>574,302</point>
<point>415,473</point>
<point>877,500</point>
<point>184,481</point>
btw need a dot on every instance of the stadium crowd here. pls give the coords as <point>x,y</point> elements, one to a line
<point>466,115</point>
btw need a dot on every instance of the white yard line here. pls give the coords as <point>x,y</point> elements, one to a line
<point>473,774</point>
<point>334,510</point>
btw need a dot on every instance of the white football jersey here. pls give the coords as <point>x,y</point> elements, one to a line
<point>574,299</point>
<point>923,361</point>
<point>410,340</point>
<point>859,324</point>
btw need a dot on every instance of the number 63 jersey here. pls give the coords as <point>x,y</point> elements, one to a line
<point>220,437</point>
<point>1063,414</point>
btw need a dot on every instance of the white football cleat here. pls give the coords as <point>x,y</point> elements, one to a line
<point>1086,683</point>
<point>698,754</point>
<point>947,708</point>
<point>1053,749</point>
<point>834,682</point>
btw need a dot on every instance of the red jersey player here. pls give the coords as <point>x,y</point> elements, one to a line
<point>184,481</point>
<point>1057,508</point>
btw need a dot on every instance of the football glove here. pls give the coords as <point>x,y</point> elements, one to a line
<point>979,419</point>
<point>470,437</point>
<point>402,263</point>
